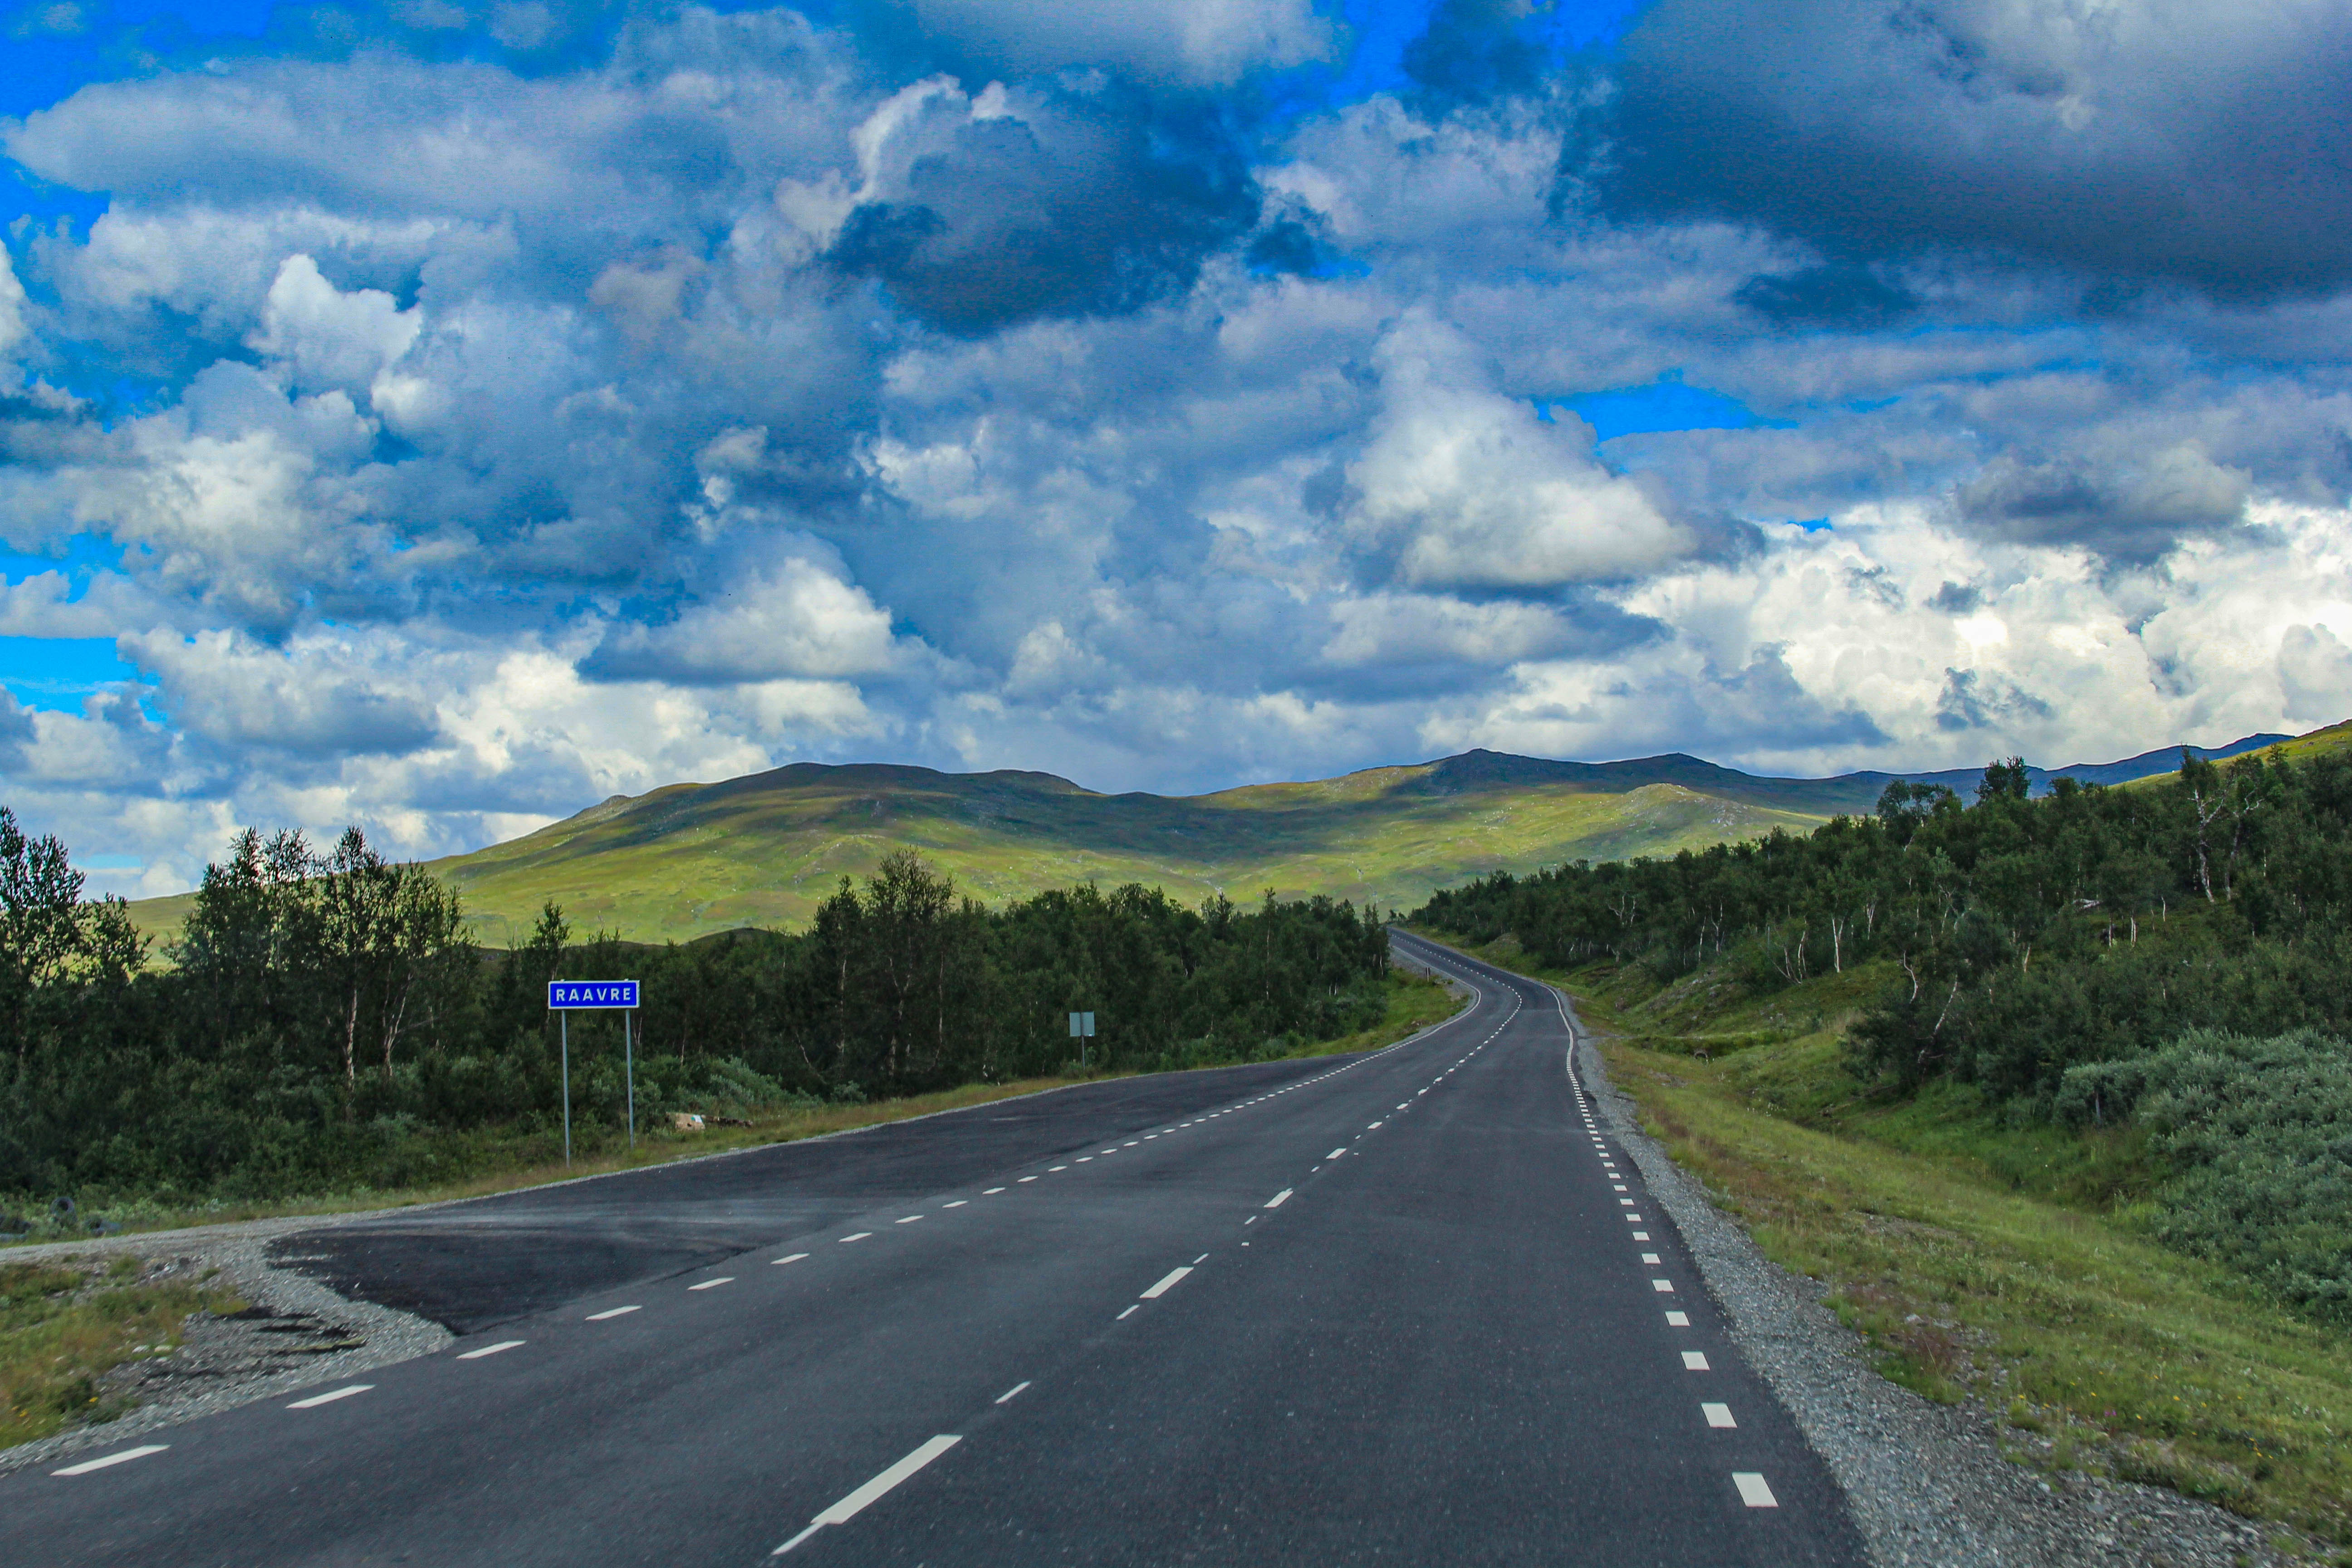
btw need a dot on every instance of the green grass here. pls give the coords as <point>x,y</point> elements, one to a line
<point>690,859</point>
<point>1987,1260</point>
<point>63,1326</point>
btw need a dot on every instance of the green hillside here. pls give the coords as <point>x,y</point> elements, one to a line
<point>763,850</point>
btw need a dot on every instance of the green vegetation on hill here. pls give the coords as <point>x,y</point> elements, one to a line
<point>2048,953</point>
<point>765,851</point>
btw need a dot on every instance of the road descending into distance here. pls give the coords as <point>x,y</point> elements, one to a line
<point>1408,1307</point>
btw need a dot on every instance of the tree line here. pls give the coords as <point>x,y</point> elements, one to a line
<point>2017,936</point>
<point>2166,965</point>
<point>323,1019</point>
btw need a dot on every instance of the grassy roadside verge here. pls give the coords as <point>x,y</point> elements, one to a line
<point>64,1325</point>
<point>1982,1262</point>
<point>1413,1002</point>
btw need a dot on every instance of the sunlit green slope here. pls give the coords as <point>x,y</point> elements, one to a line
<point>764,849</point>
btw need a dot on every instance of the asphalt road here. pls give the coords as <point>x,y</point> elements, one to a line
<point>1410,1307</point>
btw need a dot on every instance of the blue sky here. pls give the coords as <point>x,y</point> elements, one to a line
<point>445,415</point>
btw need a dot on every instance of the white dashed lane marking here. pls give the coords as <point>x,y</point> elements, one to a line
<point>1694,1360</point>
<point>616,1312</point>
<point>1678,1319</point>
<point>111,1460</point>
<point>713,1284</point>
<point>1162,1288</point>
<point>329,1397</point>
<point>1009,1392</point>
<point>1752,1490</point>
<point>488,1350</point>
<point>850,1507</point>
<point>794,1258</point>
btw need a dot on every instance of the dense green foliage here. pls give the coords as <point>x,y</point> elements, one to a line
<point>2259,1132</point>
<point>2173,955</point>
<point>2030,935</point>
<point>325,1021</point>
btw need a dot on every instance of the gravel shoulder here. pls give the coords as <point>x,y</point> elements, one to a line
<point>295,1333</point>
<point>1928,1484</point>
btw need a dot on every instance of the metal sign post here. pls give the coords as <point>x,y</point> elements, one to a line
<point>1082,1030</point>
<point>566,997</point>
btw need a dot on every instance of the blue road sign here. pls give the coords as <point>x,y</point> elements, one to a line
<point>567,995</point>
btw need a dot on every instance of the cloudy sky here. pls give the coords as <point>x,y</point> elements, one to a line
<point>443,415</point>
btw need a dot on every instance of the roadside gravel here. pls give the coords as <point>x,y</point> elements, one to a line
<point>296,1332</point>
<point>1927,1483</point>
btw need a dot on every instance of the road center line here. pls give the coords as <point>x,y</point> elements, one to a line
<point>330,1396</point>
<point>1161,1288</point>
<point>850,1507</point>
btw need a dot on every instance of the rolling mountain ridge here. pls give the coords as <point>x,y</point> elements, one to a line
<point>689,859</point>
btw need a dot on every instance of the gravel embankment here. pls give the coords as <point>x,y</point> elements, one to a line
<point>1927,1483</point>
<point>296,1332</point>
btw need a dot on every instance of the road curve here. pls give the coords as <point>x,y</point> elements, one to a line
<point>1407,1307</point>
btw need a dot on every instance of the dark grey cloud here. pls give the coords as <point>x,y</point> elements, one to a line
<point>2193,140</point>
<point>1067,198</point>
<point>1848,297</point>
<point>2131,513</point>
